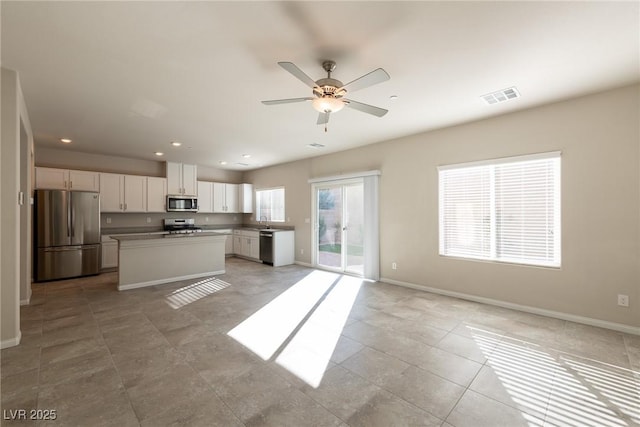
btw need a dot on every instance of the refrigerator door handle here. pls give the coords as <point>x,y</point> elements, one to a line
<point>70,218</point>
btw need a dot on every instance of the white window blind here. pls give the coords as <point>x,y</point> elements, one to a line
<point>503,210</point>
<point>270,205</point>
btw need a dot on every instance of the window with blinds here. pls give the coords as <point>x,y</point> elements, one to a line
<point>270,205</point>
<point>502,210</point>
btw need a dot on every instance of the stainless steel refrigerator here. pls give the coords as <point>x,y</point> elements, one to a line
<point>67,234</point>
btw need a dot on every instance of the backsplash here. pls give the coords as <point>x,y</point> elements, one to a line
<point>137,220</point>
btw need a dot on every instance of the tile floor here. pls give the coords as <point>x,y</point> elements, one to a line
<point>296,347</point>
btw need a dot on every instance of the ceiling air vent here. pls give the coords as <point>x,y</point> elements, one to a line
<point>501,95</point>
<point>242,164</point>
<point>315,145</point>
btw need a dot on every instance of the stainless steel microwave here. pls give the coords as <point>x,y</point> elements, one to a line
<point>182,204</point>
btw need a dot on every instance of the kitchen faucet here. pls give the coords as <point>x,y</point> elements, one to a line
<point>266,221</point>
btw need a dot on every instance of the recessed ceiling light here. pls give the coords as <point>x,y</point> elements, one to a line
<point>222,162</point>
<point>501,95</point>
<point>159,153</point>
<point>176,143</point>
<point>246,156</point>
<point>315,145</point>
<point>65,140</point>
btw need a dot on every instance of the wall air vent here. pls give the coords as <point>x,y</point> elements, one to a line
<point>315,145</point>
<point>501,95</point>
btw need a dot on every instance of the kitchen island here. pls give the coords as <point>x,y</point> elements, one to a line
<point>153,259</point>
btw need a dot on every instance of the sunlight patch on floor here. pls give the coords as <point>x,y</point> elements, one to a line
<point>308,353</point>
<point>570,390</point>
<point>192,293</point>
<point>268,328</point>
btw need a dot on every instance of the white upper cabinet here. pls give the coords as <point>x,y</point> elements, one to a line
<point>110,192</point>
<point>123,193</point>
<point>245,198</point>
<point>156,194</point>
<point>135,193</point>
<point>65,179</point>
<point>84,181</point>
<point>205,197</point>
<point>225,197</point>
<point>182,179</point>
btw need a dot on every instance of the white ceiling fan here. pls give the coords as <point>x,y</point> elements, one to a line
<point>328,93</point>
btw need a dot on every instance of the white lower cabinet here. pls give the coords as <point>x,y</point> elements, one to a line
<point>109,252</point>
<point>246,243</point>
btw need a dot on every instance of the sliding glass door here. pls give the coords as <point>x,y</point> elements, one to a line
<point>340,227</point>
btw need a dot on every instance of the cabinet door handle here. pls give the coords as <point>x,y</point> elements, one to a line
<point>70,185</point>
<point>125,206</point>
<point>64,184</point>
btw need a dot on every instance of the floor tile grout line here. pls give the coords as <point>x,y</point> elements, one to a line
<point>115,367</point>
<point>383,388</point>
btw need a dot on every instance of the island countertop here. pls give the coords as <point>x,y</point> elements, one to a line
<point>166,235</point>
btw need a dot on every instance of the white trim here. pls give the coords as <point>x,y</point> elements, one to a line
<point>634,330</point>
<point>169,280</point>
<point>345,176</point>
<point>500,160</point>
<point>26,301</point>
<point>11,342</point>
<point>304,264</point>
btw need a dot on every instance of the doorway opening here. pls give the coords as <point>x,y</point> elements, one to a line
<point>339,237</point>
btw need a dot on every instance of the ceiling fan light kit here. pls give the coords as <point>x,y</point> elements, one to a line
<point>328,93</point>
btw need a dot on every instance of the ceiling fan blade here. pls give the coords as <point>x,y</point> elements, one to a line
<point>376,76</point>
<point>323,118</point>
<point>298,73</point>
<point>365,108</point>
<point>286,101</point>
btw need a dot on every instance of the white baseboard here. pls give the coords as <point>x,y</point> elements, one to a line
<point>169,280</point>
<point>304,264</point>
<point>11,342</point>
<point>620,327</point>
<point>27,300</point>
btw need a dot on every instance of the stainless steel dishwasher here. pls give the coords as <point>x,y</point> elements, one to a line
<point>266,247</point>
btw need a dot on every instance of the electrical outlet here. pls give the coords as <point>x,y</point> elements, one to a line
<point>148,219</point>
<point>206,219</point>
<point>623,300</point>
<point>394,266</point>
<point>301,251</point>
<point>108,220</point>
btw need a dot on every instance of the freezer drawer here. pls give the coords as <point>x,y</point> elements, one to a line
<point>67,261</point>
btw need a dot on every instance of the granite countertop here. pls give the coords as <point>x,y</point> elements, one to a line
<point>159,236</point>
<point>205,228</point>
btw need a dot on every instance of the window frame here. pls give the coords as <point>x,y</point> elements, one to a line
<point>494,228</point>
<point>258,208</point>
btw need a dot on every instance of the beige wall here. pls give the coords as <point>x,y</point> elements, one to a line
<point>600,142</point>
<point>69,159</point>
<point>15,178</point>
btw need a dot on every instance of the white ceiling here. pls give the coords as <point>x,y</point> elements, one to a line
<point>126,78</point>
